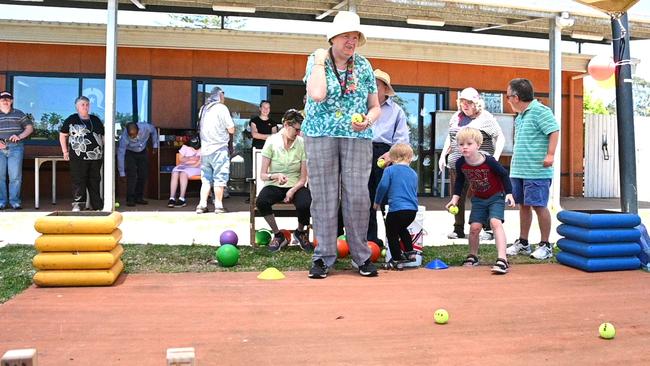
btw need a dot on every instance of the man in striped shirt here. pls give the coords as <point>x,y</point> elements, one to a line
<point>15,126</point>
<point>531,170</point>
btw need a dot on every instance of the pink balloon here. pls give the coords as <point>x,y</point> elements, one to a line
<point>601,68</point>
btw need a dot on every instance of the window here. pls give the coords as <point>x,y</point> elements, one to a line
<point>50,100</point>
<point>243,101</point>
<point>419,108</point>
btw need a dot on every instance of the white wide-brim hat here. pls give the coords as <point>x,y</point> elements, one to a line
<point>470,94</point>
<point>346,21</point>
<point>383,76</point>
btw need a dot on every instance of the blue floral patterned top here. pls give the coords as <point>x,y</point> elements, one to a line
<point>332,116</point>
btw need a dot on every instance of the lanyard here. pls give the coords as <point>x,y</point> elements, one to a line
<point>344,83</point>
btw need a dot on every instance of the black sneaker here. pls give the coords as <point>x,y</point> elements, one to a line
<point>171,203</point>
<point>318,269</point>
<point>368,269</point>
<point>142,201</point>
<point>181,202</point>
<point>303,240</point>
<point>130,203</point>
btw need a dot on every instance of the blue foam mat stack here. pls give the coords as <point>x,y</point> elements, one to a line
<point>599,240</point>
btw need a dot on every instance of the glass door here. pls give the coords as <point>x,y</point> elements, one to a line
<point>419,108</point>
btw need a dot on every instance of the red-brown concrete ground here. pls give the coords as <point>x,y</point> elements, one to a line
<point>537,314</point>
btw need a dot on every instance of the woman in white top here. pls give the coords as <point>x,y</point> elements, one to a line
<point>471,113</point>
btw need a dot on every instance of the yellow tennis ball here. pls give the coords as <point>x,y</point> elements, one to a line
<point>357,118</point>
<point>453,210</point>
<point>117,205</point>
<point>381,163</point>
<point>607,331</point>
<point>441,316</point>
<point>383,252</point>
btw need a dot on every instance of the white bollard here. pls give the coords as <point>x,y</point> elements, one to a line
<point>20,357</point>
<point>180,356</point>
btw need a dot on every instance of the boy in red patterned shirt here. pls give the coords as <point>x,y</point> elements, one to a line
<point>491,188</point>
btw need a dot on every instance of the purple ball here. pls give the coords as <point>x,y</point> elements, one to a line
<point>228,237</point>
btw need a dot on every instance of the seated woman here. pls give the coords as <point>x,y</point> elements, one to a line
<point>190,165</point>
<point>284,168</point>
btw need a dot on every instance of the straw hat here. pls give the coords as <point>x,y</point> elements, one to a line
<point>346,21</point>
<point>383,76</point>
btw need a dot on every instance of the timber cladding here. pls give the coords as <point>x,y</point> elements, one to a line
<point>172,71</point>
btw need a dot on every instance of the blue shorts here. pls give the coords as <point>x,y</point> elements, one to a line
<point>531,192</point>
<point>215,168</point>
<point>484,209</point>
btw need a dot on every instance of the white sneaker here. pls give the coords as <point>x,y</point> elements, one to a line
<point>486,235</point>
<point>455,235</point>
<point>543,252</point>
<point>518,248</point>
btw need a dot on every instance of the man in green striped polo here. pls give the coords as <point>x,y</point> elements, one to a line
<point>531,170</point>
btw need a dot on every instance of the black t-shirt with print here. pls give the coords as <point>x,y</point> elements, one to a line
<point>263,127</point>
<point>85,137</point>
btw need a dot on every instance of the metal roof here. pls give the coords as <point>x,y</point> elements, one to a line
<point>503,17</point>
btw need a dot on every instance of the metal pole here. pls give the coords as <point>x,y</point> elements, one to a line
<point>625,116</point>
<point>109,105</point>
<point>352,6</point>
<point>555,101</point>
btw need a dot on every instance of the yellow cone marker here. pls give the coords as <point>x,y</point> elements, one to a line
<point>271,274</point>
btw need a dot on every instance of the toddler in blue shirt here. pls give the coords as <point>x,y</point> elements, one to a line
<point>399,186</point>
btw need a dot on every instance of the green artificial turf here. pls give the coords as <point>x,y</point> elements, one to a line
<point>16,270</point>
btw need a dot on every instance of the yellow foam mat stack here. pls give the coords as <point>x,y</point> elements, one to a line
<point>78,249</point>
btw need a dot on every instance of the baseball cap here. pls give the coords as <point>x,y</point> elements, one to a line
<point>6,94</point>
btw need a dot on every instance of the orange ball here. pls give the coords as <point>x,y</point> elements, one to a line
<point>342,248</point>
<point>375,251</point>
<point>287,234</point>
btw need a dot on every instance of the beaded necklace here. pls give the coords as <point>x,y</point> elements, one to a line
<point>348,85</point>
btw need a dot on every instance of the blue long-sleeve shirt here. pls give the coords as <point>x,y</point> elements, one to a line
<point>391,127</point>
<point>146,131</point>
<point>400,184</point>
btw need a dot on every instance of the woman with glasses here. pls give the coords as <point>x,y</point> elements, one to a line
<point>471,113</point>
<point>341,107</point>
<point>284,168</point>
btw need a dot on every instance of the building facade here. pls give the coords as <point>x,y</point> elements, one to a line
<point>164,73</point>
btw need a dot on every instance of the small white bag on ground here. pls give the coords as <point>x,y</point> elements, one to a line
<point>416,229</point>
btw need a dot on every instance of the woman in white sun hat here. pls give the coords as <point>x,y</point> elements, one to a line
<point>340,87</point>
<point>471,113</point>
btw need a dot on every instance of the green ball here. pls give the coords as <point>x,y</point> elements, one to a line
<point>227,255</point>
<point>441,316</point>
<point>383,252</point>
<point>117,205</point>
<point>607,331</point>
<point>262,237</point>
<point>453,210</point>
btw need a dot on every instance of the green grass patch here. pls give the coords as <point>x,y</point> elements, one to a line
<point>16,270</point>
<point>201,258</point>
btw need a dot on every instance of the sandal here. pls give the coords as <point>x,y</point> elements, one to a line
<point>500,267</point>
<point>392,265</point>
<point>411,256</point>
<point>470,261</point>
